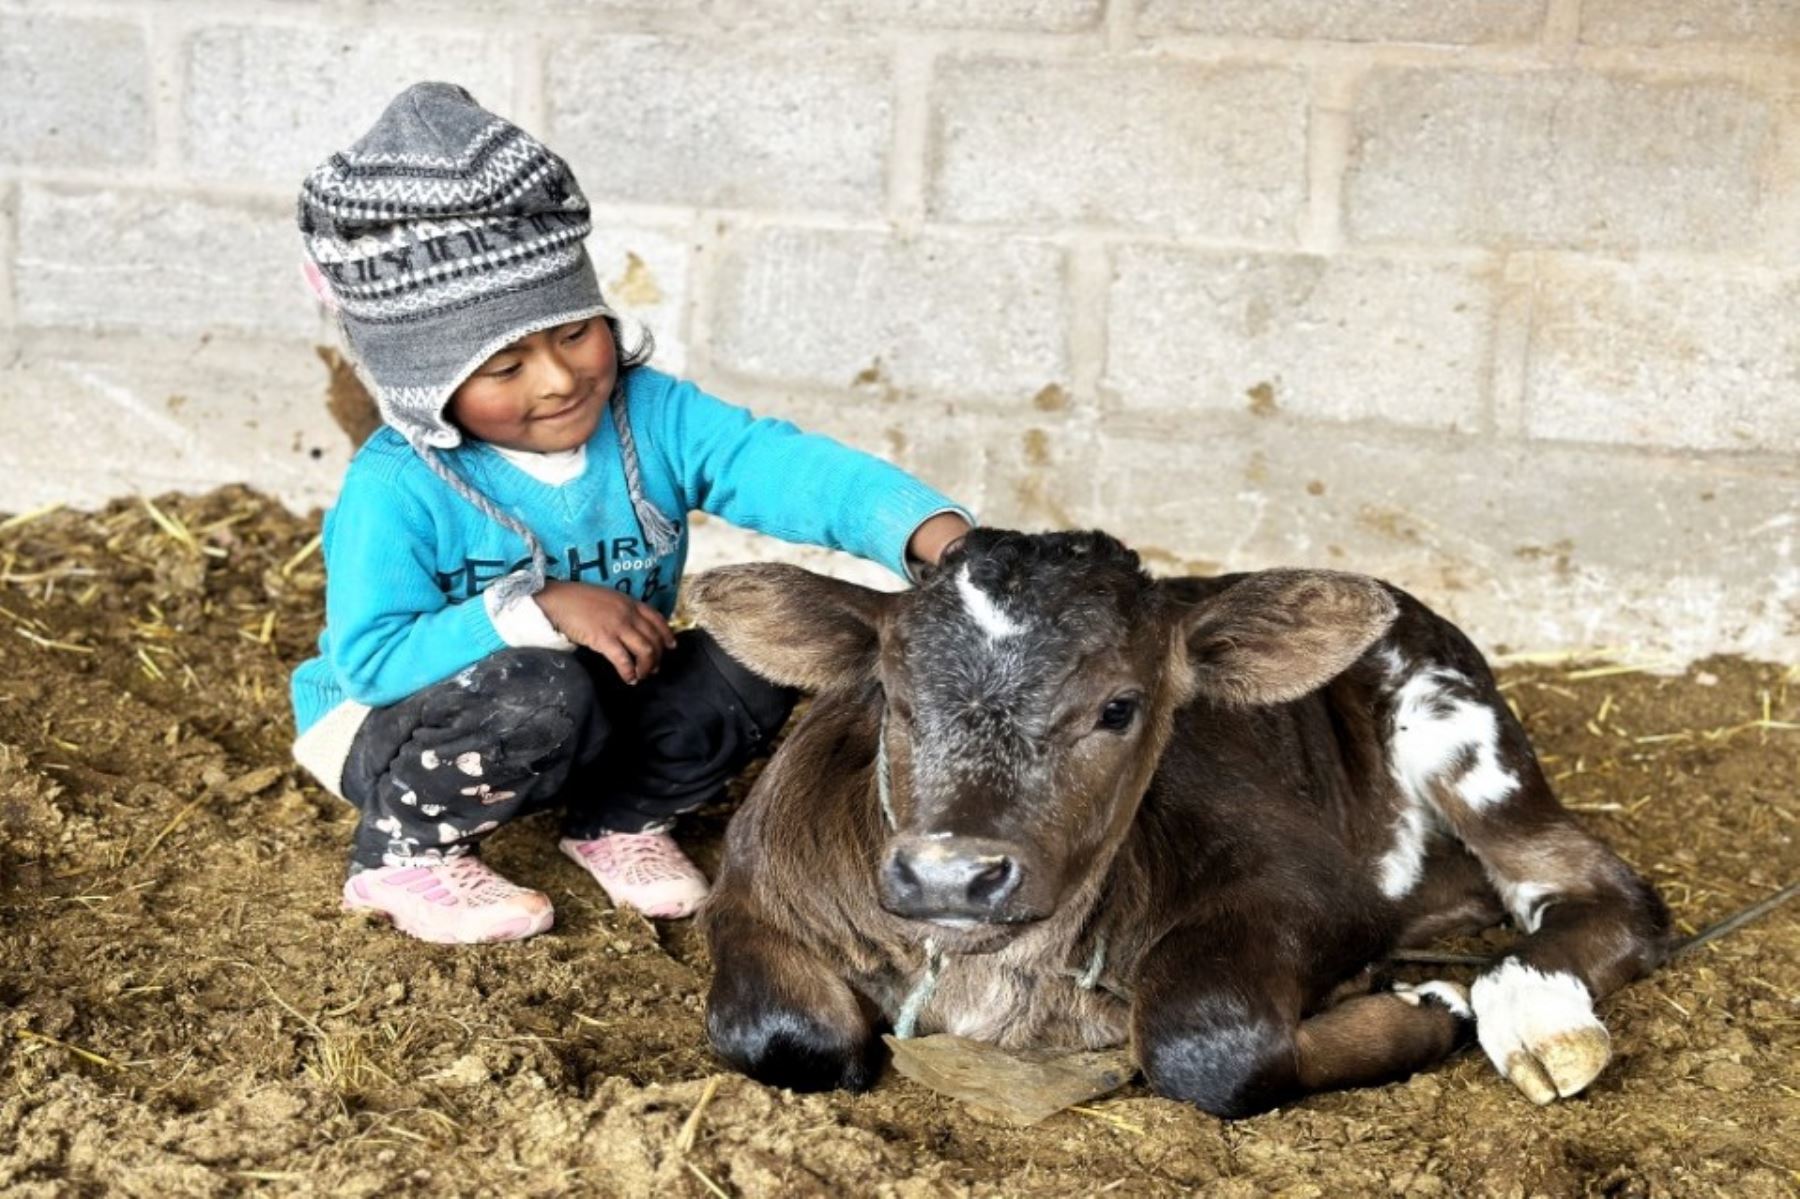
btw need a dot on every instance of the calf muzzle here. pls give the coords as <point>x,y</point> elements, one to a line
<point>955,879</point>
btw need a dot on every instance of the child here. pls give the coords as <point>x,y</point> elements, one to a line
<point>504,554</point>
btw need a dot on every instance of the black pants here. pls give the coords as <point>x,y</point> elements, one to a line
<point>524,729</point>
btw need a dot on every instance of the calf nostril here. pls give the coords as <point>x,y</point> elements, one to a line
<point>902,880</point>
<point>992,881</point>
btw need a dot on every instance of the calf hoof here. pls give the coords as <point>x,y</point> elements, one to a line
<point>784,1048</point>
<point>1539,1030</point>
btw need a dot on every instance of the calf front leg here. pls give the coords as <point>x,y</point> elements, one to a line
<point>1221,1016</point>
<point>778,1013</point>
<point>1592,924</point>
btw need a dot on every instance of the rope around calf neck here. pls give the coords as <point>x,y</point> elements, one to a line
<point>906,1024</point>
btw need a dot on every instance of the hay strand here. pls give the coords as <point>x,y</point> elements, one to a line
<point>25,518</point>
<point>705,1181</point>
<point>302,554</point>
<point>690,1131</point>
<point>1106,1117</point>
<point>1602,672</point>
<point>171,525</point>
<point>86,1055</point>
<point>1560,657</point>
<point>174,823</point>
<point>67,647</point>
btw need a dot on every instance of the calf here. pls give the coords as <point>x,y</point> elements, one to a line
<point>1046,800</point>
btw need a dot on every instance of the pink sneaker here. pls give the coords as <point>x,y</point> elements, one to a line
<point>646,871</point>
<point>458,902</point>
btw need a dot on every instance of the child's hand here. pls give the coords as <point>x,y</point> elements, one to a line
<point>630,635</point>
<point>929,541</point>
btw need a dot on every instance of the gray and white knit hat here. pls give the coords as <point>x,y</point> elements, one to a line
<point>444,234</point>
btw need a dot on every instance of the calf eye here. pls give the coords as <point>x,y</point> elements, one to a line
<point>1117,715</point>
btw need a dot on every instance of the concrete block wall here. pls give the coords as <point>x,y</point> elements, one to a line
<point>1492,297</point>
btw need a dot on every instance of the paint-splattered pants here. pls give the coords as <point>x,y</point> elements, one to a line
<point>525,729</point>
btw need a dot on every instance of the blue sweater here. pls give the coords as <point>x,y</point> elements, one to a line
<point>406,558</point>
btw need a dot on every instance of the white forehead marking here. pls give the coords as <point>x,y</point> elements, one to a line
<point>988,616</point>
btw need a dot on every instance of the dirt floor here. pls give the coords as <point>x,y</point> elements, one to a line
<point>185,1011</point>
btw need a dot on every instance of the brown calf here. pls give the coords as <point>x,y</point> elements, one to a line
<point>1221,800</point>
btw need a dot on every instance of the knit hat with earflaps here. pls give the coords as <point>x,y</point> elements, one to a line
<point>443,235</point>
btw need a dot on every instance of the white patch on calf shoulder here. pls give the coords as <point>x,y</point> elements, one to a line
<point>1426,743</point>
<point>993,623</point>
<point>469,763</point>
<point>1539,1029</point>
<point>1400,868</point>
<point>429,760</point>
<point>1433,729</point>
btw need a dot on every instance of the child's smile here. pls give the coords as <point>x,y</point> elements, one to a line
<point>544,393</point>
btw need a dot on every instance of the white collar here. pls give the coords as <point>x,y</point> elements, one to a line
<point>555,468</point>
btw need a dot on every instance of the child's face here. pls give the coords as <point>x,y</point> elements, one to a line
<point>544,392</point>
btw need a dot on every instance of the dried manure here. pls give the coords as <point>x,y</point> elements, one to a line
<point>185,1011</point>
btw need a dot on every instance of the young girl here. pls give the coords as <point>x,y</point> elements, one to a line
<point>504,554</point>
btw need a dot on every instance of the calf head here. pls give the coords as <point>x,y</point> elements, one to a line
<point>1027,690</point>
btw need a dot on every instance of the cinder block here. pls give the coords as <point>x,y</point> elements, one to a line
<point>644,276</point>
<point>495,11</point>
<point>1169,146</point>
<point>74,92</point>
<point>158,260</point>
<point>128,413</point>
<point>1037,472</point>
<point>715,543</point>
<point>8,206</point>
<point>1634,355</point>
<point>948,452</point>
<point>1037,16</point>
<point>1450,21</point>
<point>1015,474</point>
<point>268,104</point>
<point>960,318</point>
<point>1339,338</point>
<point>1557,158</point>
<point>1528,546</point>
<point>785,124</point>
<point>943,447</point>
<point>1658,22</point>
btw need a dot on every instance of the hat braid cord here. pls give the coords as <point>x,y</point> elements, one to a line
<point>519,583</point>
<point>659,530</point>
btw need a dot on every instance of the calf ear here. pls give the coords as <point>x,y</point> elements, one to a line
<point>790,625</point>
<point>1278,634</point>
